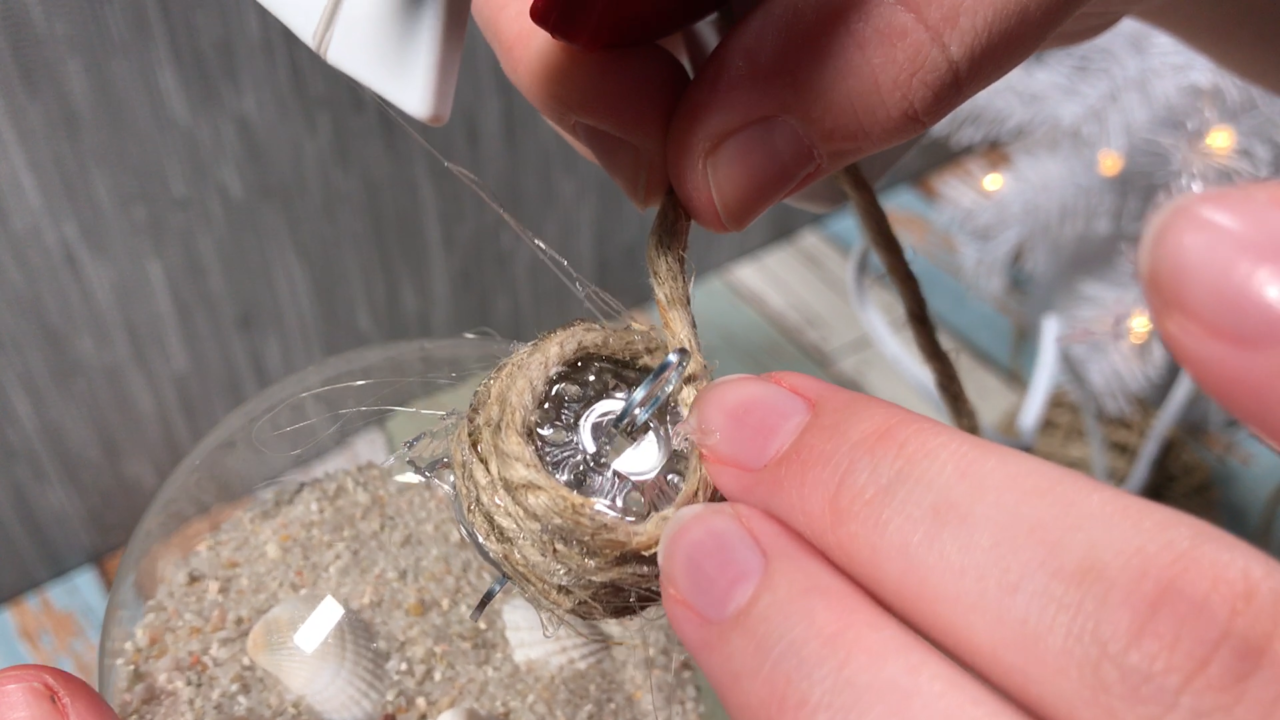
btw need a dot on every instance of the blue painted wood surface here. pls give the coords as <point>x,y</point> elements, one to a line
<point>983,328</point>
<point>57,624</point>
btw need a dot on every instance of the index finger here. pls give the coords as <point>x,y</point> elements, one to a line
<point>1073,598</point>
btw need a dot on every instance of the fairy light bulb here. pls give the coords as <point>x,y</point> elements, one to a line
<point>1110,162</point>
<point>1221,139</point>
<point>992,182</point>
<point>1139,326</point>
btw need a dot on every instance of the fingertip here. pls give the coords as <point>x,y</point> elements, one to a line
<point>793,95</point>
<point>781,633</point>
<point>1193,226</point>
<point>1210,266</point>
<point>710,563</point>
<point>746,422</point>
<point>36,692</point>
<point>615,105</point>
<point>756,166</point>
<point>641,173</point>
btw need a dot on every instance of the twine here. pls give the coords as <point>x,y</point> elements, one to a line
<point>889,249</point>
<point>564,555</point>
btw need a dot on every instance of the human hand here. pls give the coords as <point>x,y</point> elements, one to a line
<point>32,692</point>
<point>874,563</point>
<point>796,90</point>
<point>869,556</point>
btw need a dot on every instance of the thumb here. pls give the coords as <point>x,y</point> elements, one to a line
<point>33,692</point>
<point>1210,265</point>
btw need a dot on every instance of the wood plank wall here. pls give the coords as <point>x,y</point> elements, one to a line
<point>192,206</point>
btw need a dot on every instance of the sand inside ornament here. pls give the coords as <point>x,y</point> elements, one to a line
<point>389,553</point>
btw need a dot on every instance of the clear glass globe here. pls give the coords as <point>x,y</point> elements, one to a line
<point>300,563</point>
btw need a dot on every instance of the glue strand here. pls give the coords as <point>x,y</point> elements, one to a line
<point>324,28</point>
<point>600,303</point>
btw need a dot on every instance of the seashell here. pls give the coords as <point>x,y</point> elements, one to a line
<point>325,654</point>
<point>464,714</point>
<point>577,645</point>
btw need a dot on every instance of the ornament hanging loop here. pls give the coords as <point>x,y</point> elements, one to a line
<point>489,596</point>
<point>648,397</point>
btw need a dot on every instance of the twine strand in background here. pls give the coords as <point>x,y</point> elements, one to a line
<point>889,250</point>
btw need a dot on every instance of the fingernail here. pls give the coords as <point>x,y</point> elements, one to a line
<point>757,167</point>
<point>1213,261</point>
<point>820,198</point>
<point>745,422</point>
<point>32,701</point>
<point>625,162</point>
<point>709,559</point>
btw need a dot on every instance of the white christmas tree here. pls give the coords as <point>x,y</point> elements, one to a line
<point>1088,140</point>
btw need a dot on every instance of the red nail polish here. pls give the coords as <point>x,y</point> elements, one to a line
<point>599,24</point>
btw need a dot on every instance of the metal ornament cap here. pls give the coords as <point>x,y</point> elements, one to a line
<point>604,428</point>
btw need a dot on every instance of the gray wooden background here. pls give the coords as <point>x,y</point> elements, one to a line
<point>192,206</point>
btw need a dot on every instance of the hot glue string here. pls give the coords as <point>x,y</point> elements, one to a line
<point>603,306</point>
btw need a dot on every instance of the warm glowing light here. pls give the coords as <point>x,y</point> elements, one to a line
<point>1110,162</point>
<point>1221,139</point>
<point>1140,326</point>
<point>316,628</point>
<point>992,182</point>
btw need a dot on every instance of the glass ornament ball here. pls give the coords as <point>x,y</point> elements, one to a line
<point>300,563</point>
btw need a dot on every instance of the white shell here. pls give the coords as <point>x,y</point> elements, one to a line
<point>464,714</point>
<point>323,653</point>
<point>576,645</point>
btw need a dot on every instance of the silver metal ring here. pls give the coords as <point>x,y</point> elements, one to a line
<point>488,597</point>
<point>645,400</point>
<point>652,394</point>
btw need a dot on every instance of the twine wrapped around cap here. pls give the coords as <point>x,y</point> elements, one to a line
<point>564,555</point>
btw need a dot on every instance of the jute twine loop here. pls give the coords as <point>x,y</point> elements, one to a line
<point>563,554</point>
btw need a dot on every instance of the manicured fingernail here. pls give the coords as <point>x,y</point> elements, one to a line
<point>710,560</point>
<point>1213,261</point>
<point>31,701</point>
<point>625,162</point>
<point>757,167</point>
<point>745,421</point>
